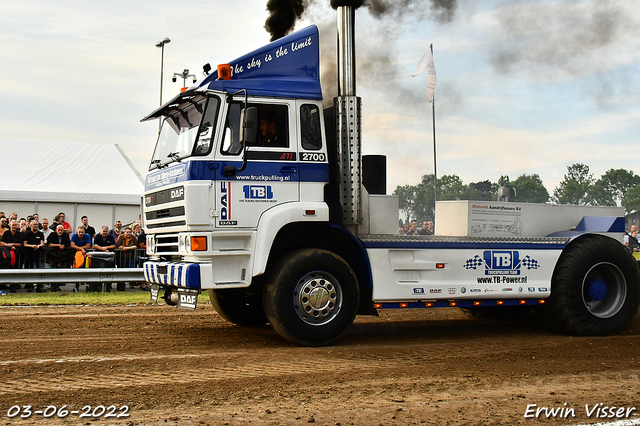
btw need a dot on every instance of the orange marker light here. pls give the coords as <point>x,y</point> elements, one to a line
<point>404,305</point>
<point>542,301</point>
<point>499,302</point>
<point>439,265</point>
<point>522,302</point>
<point>377,306</point>
<point>224,72</point>
<point>476,303</point>
<point>428,305</point>
<point>198,243</point>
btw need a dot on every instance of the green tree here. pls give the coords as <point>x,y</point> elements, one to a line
<point>425,200</point>
<point>574,188</point>
<point>406,199</point>
<point>599,195</point>
<point>631,201</point>
<point>450,187</point>
<point>611,188</point>
<point>417,201</point>
<point>481,191</point>
<point>504,181</point>
<point>529,189</point>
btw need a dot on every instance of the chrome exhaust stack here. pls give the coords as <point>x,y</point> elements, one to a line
<point>348,117</point>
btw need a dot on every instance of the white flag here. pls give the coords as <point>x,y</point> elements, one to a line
<point>426,64</point>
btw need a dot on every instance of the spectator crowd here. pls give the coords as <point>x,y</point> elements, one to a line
<point>630,239</point>
<point>30,243</point>
<point>411,228</point>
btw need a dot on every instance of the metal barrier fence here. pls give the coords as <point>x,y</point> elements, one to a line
<point>55,258</point>
<point>118,267</point>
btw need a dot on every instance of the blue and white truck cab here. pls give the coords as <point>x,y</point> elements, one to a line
<point>262,198</point>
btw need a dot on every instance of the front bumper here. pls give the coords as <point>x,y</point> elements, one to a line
<point>185,275</point>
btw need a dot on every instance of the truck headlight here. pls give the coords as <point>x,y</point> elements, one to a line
<point>151,244</point>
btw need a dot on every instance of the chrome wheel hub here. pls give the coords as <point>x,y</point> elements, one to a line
<point>317,298</point>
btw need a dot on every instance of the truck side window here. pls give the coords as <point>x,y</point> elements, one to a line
<point>273,127</point>
<point>310,127</point>
<point>207,128</point>
<point>231,142</point>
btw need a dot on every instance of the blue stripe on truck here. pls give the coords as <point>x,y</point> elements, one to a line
<point>178,274</point>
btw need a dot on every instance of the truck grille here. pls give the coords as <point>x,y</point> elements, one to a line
<point>165,213</point>
<point>166,244</point>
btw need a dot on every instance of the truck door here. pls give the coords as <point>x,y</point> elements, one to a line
<point>313,161</point>
<point>271,177</point>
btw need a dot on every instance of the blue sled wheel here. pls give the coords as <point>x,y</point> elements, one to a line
<point>595,288</point>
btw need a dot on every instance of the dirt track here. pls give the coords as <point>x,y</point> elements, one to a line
<point>411,367</point>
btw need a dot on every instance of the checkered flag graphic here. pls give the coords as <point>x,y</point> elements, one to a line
<point>474,263</point>
<point>529,263</point>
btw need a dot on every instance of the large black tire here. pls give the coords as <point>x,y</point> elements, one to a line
<point>595,288</point>
<point>311,296</point>
<point>238,307</point>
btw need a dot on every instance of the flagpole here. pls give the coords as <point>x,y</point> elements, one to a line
<point>435,173</point>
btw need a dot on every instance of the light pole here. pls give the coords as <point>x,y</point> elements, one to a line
<point>184,75</point>
<point>161,44</point>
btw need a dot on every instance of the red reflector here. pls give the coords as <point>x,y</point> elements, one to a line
<point>404,305</point>
<point>377,306</point>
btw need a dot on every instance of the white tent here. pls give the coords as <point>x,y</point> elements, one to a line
<point>47,177</point>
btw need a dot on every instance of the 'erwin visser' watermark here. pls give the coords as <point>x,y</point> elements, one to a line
<point>595,411</point>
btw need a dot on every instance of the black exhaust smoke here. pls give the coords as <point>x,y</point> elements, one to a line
<point>351,3</point>
<point>284,14</point>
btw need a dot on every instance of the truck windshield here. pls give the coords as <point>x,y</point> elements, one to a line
<point>187,130</point>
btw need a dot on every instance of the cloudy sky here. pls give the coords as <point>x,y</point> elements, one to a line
<point>523,86</point>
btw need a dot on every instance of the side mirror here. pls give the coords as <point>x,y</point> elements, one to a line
<point>249,131</point>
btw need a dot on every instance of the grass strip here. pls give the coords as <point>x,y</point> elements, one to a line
<point>112,298</point>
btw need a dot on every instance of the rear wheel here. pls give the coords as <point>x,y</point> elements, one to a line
<point>311,297</point>
<point>595,288</point>
<point>238,307</point>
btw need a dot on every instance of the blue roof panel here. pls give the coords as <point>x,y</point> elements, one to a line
<point>288,67</point>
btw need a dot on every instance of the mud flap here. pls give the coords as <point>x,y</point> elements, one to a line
<point>155,289</point>
<point>187,298</point>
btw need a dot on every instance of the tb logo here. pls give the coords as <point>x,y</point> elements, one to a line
<point>501,259</point>
<point>262,192</point>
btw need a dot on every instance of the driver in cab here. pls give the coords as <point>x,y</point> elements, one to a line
<point>269,127</point>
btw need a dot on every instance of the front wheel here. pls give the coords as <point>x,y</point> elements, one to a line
<point>311,297</point>
<point>595,288</point>
<point>238,307</point>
